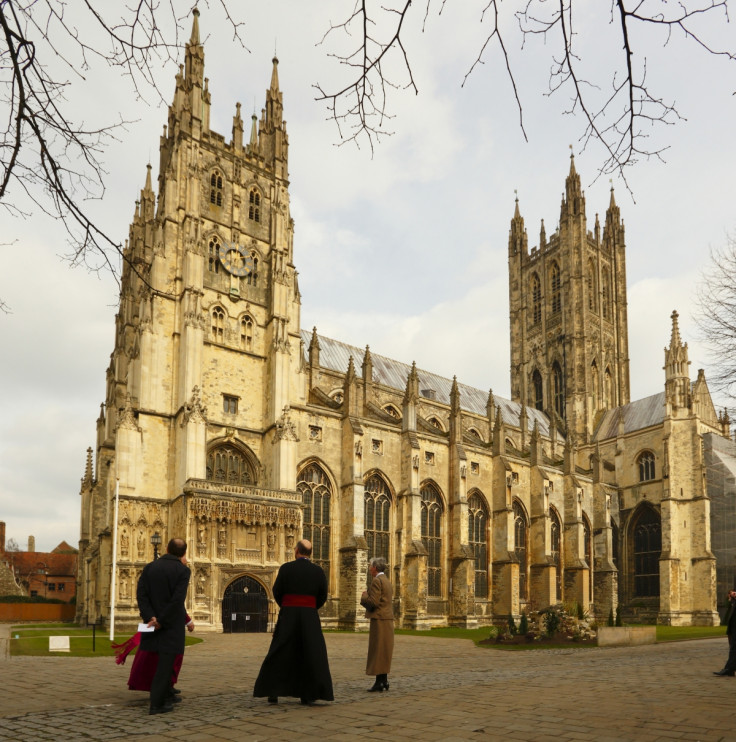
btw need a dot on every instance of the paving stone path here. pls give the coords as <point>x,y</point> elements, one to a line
<point>441,689</point>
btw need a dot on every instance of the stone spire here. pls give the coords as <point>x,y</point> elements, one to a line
<point>87,479</point>
<point>676,369</point>
<point>367,366</point>
<point>517,233</point>
<point>573,202</point>
<point>237,128</point>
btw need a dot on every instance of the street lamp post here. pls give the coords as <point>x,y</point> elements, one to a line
<point>156,542</point>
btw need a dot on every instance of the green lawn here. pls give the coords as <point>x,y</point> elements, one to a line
<point>33,641</point>
<point>681,633</point>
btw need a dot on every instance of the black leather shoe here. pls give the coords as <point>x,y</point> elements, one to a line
<point>161,709</point>
<point>721,673</point>
<point>376,688</point>
<point>175,691</point>
<point>273,699</point>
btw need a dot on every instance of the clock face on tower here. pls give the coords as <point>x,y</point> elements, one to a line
<point>235,259</point>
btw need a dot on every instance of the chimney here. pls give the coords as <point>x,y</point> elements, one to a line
<point>31,543</point>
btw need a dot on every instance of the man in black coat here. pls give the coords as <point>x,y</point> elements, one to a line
<point>730,621</point>
<point>296,664</point>
<point>162,589</point>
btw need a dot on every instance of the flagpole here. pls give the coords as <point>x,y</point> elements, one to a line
<point>114,562</point>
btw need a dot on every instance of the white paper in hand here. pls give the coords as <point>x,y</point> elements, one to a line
<point>144,628</point>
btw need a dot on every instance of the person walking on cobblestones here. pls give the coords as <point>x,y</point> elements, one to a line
<point>162,589</point>
<point>730,621</point>
<point>377,601</point>
<point>296,664</point>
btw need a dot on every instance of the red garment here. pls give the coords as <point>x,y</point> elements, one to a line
<point>144,663</point>
<point>298,601</point>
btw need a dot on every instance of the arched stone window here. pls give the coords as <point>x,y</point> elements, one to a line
<point>608,389</point>
<point>218,325</point>
<point>606,295</point>
<point>594,386</point>
<point>432,537</point>
<point>558,389</point>
<point>391,410</point>
<point>252,277</point>
<point>246,332</point>
<point>216,188</point>
<point>555,529</point>
<point>314,486</point>
<point>475,434</point>
<point>521,539</point>
<point>536,299</point>
<point>254,205</point>
<point>537,390</point>
<point>213,259</point>
<point>377,517</point>
<point>434,422</point>
<point>646,466</point>
<point>556,288</point>
<point>588,545</point>
<point>592,287</point>
<point>228,464</point>
<point>647,536</point>
<point>478,541</point>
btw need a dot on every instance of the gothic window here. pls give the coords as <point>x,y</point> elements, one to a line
<point>536,299</point>
<point>432,538</point>
<point>316,491</point>
<point>588,545</point>
<point>592,286</point>
<point>434,422</point>
<point>646,466</point>
<point>338,396</point>
<point>556,550</point>
<point>391,410</point>
<point>475,434</point>
<point>216,188</point>
<point>228,465</point>
<point>606,295</point>
<point>478,541</point>
<point>558,389</point>
<point>556,286</point>
<point>614,543</point>
<point>594,386</point>
<point>537,391</point>
<point>246,332</point>
<point>521,530</point>
<point>229,404</point>
<point>254,205</point>
<point>377,513</point>
<point>213,261</point>
<point>647,548</point>
<point>218,325</point>
<point>608,389</point>
<point>252,277</point>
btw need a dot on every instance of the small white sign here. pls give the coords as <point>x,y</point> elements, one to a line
<point>59,644</point>
<point>247,618</point>
<point>234,616</point>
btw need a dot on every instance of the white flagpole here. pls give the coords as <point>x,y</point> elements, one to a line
<point>114,563</point>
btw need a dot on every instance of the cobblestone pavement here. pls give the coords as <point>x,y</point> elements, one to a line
<point>441,689</point>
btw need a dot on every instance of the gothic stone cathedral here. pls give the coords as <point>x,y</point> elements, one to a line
<point>226,423</point>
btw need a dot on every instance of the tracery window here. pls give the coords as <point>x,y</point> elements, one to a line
<point>536,299</point>
<point>252,277</point>
<point>594,382</point>
<point>435,423</point>
<point>556,286</point>
<point>646,466</point>
<point>608,388</point>
<point>391,410</point>
<point>254,205</point>
<point>216,188</point>
<point>537,390</point>
<point>647,549</point>
<point>229,465</point>
<point>558,389</point>
<point>478,541</point>
<point>213,259</point>
<point>246,332</point>
<point>592,286</point>
<point>377,517</point>
<point>432,538</point>
<point>218,325</point>
<point>556,550</point>
<point>606,295</point>
<point>316,491</point>
<point>521,528</point>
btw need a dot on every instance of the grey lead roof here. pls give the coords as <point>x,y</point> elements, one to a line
<point>642,413</point>
<point>335,356</point>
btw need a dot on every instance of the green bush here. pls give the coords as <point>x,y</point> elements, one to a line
<point>524,624</point>
<point>512,626</point>
<point>551,622</point>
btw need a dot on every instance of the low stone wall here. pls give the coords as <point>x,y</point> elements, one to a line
<point>37,612</point>
<point>626,636</point>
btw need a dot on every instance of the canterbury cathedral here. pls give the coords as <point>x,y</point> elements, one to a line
<point>228,424</point>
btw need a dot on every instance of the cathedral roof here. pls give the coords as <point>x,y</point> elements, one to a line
<point>641,413</point>
<point>335,356</point>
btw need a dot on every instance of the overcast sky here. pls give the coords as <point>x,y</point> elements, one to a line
<point>404,249</point>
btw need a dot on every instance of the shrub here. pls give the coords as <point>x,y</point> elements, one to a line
<point>551,622</point>
<point>512,626</point>
<point>524,624</point>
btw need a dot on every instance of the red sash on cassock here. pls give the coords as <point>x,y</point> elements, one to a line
<point>298,601</point>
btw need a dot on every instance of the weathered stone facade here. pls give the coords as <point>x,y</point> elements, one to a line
<point>229,425</point>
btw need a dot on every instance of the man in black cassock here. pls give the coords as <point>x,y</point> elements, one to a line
<point>162,589</point>
<point>296,664</point>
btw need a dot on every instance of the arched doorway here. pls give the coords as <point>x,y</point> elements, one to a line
<point>244,606</point>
